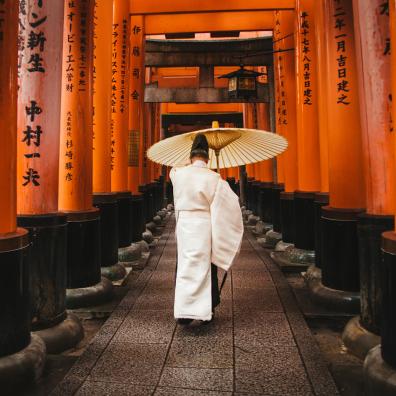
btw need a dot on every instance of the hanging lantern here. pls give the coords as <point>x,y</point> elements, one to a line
<point>242,83</point>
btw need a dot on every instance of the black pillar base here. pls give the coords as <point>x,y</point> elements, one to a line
<point>287,217</point>
<point>15,300</point>
<point>388,298</point>
<point>380,377</point>
<point>339,287</point>
<point>340,269</point>
<point>48,265</point>
<point>94,295</point>
<point>265,202</point>
<point>138,219</point>
<point>370,230</point>
<point>276,208</point>
<point>63,336</point>
<point>321,200</point>
<point>83,259</point>
<point>358,339</point>
<point>22,356</point>
<point>107,204</point>
<point>22,368</point>
<point>124,218</point>
<point>304,220</point>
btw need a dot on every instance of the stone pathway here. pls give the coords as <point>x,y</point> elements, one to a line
<point>258,344</point>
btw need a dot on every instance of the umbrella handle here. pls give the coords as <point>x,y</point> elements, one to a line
<point>217,152</point>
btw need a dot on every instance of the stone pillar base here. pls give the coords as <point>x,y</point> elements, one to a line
<point>313,274</point>
<point>114,272</point>
<point>270,240</point>
<point>23,367</point>
<point>98,294</point>
<point>293,259</point>
<point>252,220</point>
<point>282,246</point>
<point>358,340</point>
<point>157,220</point>
<point>152,227</point>
<point>261,228</point>
<point>336,300</point>
<point>147,236</point>
<point>63,336</point>
<point>380,378</point>
<point>129,254</point>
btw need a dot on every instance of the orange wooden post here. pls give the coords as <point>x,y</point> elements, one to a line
<point>285,81</point>
<point>374,63</point>
<point>120,77</point>
<point>103,198</point>
<point>322,62</point>
<point>136,104</point>
<point>76,155</point>
<point>308,148</point>
<point>14,242</point>
<point>39,104</point>
<point>120,95</point>
<point>387,349</point>
<point>340,264</point>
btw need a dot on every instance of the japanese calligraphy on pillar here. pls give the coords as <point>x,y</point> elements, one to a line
<point>2,19</point>
<point>39,74</point>
<point>281,103</point>
<point>305,55</point>
<point>120,95</point>
<point>32,38</point>
<point>342,40</point>
<point>137,79</point>
<point>75,163</point>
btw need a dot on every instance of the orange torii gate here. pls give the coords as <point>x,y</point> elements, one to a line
<point>39,105</point>
<point>14,242</point>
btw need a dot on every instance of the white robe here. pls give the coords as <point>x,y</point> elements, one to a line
<point>209,230</point>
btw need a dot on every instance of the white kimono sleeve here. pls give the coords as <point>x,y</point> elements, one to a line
<point>227,226</point>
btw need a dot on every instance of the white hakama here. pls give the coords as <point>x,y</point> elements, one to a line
<point>193,295</point>
<point>209,229</point>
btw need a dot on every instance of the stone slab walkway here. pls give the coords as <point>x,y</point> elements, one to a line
<point>259,343</point>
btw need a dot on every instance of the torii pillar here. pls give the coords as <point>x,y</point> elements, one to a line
<point>22,356</point>
<point>339,288</point>
<point>85,285</point>
<point>322,197</point>
<point>103,198</point>
<point>127,253</point>
<point>372,38</point>
<point>265,172</point>
<point>136,128</point>
<point>308,144</point>
<point>380,363</point>
<point>286,120</point>
<point>39,104</point>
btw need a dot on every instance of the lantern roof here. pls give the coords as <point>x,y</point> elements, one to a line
<point>242,72</point>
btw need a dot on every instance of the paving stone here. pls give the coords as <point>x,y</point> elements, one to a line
<point>147,327</point>
<point>155,300</point>
<point>130,363</point>
<point>273,381</point>
<point>201,352</point>
<point>165,391</point>
<point>265,299</point>
<point>249,280</point>
<point>98,388</point>
<point>260,329</point>
<point>194,378</point>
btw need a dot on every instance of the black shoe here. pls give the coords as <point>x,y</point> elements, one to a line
<point>184,322</point>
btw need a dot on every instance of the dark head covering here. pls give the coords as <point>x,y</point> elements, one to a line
<point>200,147</point>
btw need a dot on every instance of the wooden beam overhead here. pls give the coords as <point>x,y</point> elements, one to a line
<point>208,22</point>
<point>152,94</point>
<point>147,7</point>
